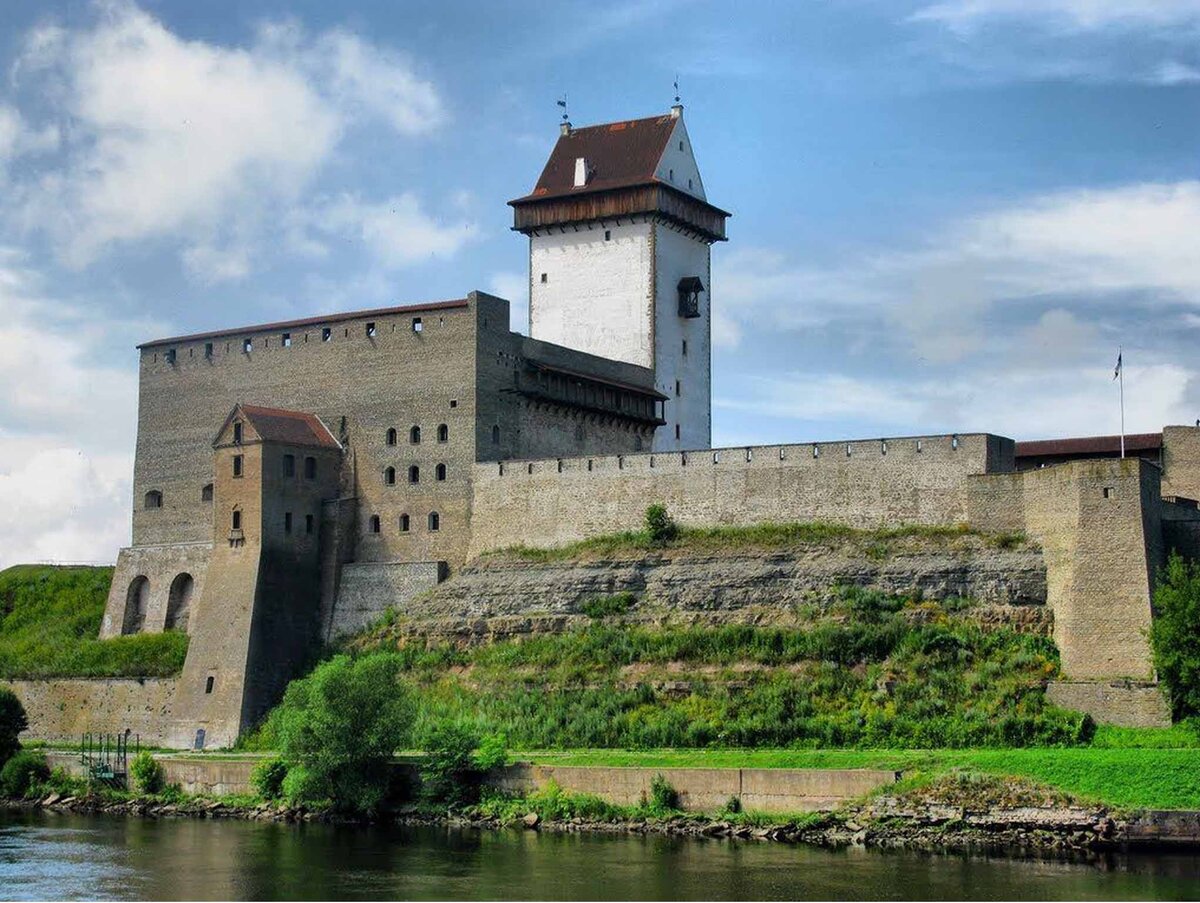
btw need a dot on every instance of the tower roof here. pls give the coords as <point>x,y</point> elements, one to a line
<point>288,427</point>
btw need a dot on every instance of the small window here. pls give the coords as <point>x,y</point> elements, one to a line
<point>440,473</point>
<point>1108,492</point>
<point>544,278</point>
<point>308,524</point>
<point>678,389</point>
<point>404,523</point>
<point>370,330</point>
<point>389,476</point>
<point>689,183</point>
<point>677,431</point>
<point>286,340</point>
<point>414,435</point>
<point>608,235</point>
<point>237,433</point>
<point>689,289</point>
<point>435,522</point>
<point>247,344</point>
<point>154,499</point>
<point>237,465</point>
<point>454,402</point>
<point>681,145</point>
<point>685,347</point>
<point>414,474</point>
<point>206,494</point>
<point>310,468</point>
<point>326,334</point>
<point>289,465</point>
<point>374,523</point>
<point>170,356</point>
<point>287,522</point>
<point>236,520</point>
<point>954,442</point>
<point>208,688</point>
<point>443,432</point>
<point>495,435</point>
<point>208,349</point>
<point>391,436</point>
<point>417,325</point>
<point>671,175</point>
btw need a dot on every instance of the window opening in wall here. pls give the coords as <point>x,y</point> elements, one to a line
<point>689,289</point>
<point>389,476</point>
<point>544,278</point>
<point>414,474</point>
<point>370,330</point>
<point>208,688</point>
<point>404,523</point>
<point>414,435</point>
<point>440,473</point>
<point>310,468</point>
<point>208,349</point>
<point>529,468</point>
<point>326,334</point>
<point>749,454</point>
<point>589,463</point>
<point>683,459</point>
<point>391,436</point>
<point>179,600</point>
<point>289,465</point>
<point>678,388</point>
<point>287,522</point>
<point>286,340</point>
<point>681,145</point>
<point>883,447</point>
<point>435,522</point>
<point>495,435</point>
<point>954,442</point>
<point>671,174</point>
<point>206,493</point>
<point>816,451</point>
<point>137,602</point>
<point>608,235</point>
<point>170,356</point>
<point>346,332</point>
<point>374,523</point>
<point>689,183</point>
<point>235,521</point>
<point>652,460</point>
<point>417,326</point>
<point>443,433</point>
<point>454,402</point>
<point>918,446</point>
<point>560,465</point>
<point>247,344</point>
<point>677,431</point>
<point>847,449</point>
<point>237,433</point>
<point>1108,492</point>
<point>237,465</point>
<point>685,347</point>
<point>154,499</point>
<point>716,457</point>
<point>308,524</point>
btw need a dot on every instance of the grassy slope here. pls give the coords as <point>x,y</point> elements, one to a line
<point>49,620</point>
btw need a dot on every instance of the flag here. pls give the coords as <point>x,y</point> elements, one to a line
<point>1117,371</point>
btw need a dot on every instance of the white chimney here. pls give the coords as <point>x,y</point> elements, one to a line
<point>581,172</point>
<point>677,111</point>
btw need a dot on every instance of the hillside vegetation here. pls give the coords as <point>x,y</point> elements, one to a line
<point>50,618</point>
<point>869,671</point>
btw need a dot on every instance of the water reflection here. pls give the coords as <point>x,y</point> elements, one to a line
<point>49,855</point>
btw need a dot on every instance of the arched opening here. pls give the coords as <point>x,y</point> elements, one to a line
<point>404,523</point>
<point>414,435</point>
<point>137,601</point>
<point>443,433</point>
<point>414,474</point>
<point>435,522</point>
<point>153,499</point>
<point>440,472</point>
<point>389,476</point>
<point>374,523</point>
<point>179,602</point>
<point>391,436</point>
<point>206,493</point>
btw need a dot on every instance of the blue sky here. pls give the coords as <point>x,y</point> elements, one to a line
<point>947,215</point>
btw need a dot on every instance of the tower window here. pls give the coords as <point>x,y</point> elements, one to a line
<point>435,522</point>
<point>237,433</point>
<point>206,494</point>
<point>389,476</point>
<point>208,688</point>
<point>237,465</point>
<point>326,334</point>
<point>671,174</point>
<point>608,235</point>
<point>414,435</point>
<point>443,433</point>
<point>308,524</point>
<point>170,356</point>
<point>681,145</point>
<point>236,520</point>
<point>391,436</point>
<point>404,523</point>
<point>289,465</point>
<point>414,474</point>
<point>208,349</point>
<point>495,435</point>
<point>310,468</point>
<point>689,289</point>
<point>417,326</point>
<point>286,340</point>
<point>544,278</point>
<point>374,523</point>
<point>440,473</point>
<point>247,344</point>
<point>685,347</point>
<point>677,431</point>
<point>370,330</point>
<point>287,522</point>
<point>154,499</point>
<point>677,389</point>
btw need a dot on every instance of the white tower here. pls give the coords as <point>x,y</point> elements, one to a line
<point>619,266</point>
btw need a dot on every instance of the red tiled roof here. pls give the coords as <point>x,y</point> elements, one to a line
<point>1090,445</point>
<point>311,321</point>
<point>619,154</point>
<point>289,427</point>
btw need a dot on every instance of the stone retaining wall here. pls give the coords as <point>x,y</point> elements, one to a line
<point>60,710</point>
<point>1128,703</point>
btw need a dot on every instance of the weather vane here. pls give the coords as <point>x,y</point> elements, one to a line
<point>563,103</point>
<point>676,88</point>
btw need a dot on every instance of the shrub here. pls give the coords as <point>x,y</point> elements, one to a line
<point>341,725</point>
<point>450,775</point>
<point>733,805</point>
<point>660,526</point>
<point>25,769</point>
<point>148,775</point>
<point>12,722</point>
<point>601,607</point>
<point>267,778</point>
<point>663,796</point>
<point>1174,639</point>
<point>492,753</point>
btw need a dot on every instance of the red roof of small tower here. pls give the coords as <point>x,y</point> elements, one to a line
<point>288,427</point>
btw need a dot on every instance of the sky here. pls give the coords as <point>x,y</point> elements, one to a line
<point>947,214</point>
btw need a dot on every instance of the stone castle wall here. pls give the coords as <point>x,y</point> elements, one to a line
<point>872,483</point>
<point>368,589</point>
<point>61,710</point>
<point>160,565</point>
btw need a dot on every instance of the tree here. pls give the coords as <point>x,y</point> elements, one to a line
<point>340,726</point>
<point>1175,636</point>
<point>12,721</point>
<point>659,524</point>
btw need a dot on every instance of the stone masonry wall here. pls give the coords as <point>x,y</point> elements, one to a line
<point>1123,702</point>
<point>870,483</point>
<point>160,565</point>
<point>60,710</point>
<point>368,589</point>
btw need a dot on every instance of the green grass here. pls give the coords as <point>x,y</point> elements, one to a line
<point>706,540</point>
<point>50,618</point>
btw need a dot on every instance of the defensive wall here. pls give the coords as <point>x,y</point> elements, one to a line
<point>61,710</point>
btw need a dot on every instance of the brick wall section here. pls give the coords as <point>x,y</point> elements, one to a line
<point>368,589</point>
<point>60,710</point>
<point>1122,702</point>
<point>871,483</point>
<point>1098,524</point>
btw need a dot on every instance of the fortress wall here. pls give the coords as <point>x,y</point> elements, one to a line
<point>870,483</point>
<point>160,565</point>
<point>60,710</point>
<point>1098,524</point>
<point>1181,461</point>
<point>368,589</point>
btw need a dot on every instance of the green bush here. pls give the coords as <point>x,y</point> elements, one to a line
<point>1174,637</point>
<point>663,796</point>
<point>450,775</point>
<point>660,526</point>
<point>341,726</point>
<point>148,775</point>
<point>492,752</point>
<point>26,769</point>
<point>267,778</point>
<point>601,607</point>
<point>12,722</point>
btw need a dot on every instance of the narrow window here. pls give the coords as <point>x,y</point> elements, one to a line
<point>374,523</point>
<point>414,474</point>
<point>435,522</point>
<point>389,476</point>
<point>289,465</point>
<point>237,433</point>
<point>543,278</point>
<point>677,389</point>
<point>326,334</point>
<point>308,524</point>
<point>391,436</point>
<point>689,183</point>
<point>310,468</point>
<point>370,330</point>
<point>681,145</point>
<point>170,356</point>
<point>443,433</point>
<point>237,465</point>
<point>236,522</point>
<point>208,688</point>
<point>685,347</point>
<point>589,463</point>
<point>154,499</point>
<point>404,523</point>
<point>247,344</point>
<point>954,442</point>
<point>1108,492</point>
<point>286,340</point>
<point>206,493</point>
<point>287,522</point>
<point>440,473</point>
<point>495,435</point>
<point>414,435</point>
<point>417,326</point>
<point>607,235</point>
<point>677,431</point>
<point>208,349</point>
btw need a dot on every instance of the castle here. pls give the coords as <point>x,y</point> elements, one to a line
<point>293,480</point>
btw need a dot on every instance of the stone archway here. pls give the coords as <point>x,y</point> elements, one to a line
<point>179,602</point>
<point>137,601</point>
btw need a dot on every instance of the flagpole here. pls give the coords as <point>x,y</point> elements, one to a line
<point>1121,390</point>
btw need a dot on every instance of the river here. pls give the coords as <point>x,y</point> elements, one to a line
<point>46,855</point>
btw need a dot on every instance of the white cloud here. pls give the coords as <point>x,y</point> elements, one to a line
<point>514,288</point>
<point>1082,15</point>
<point>396,232</point>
